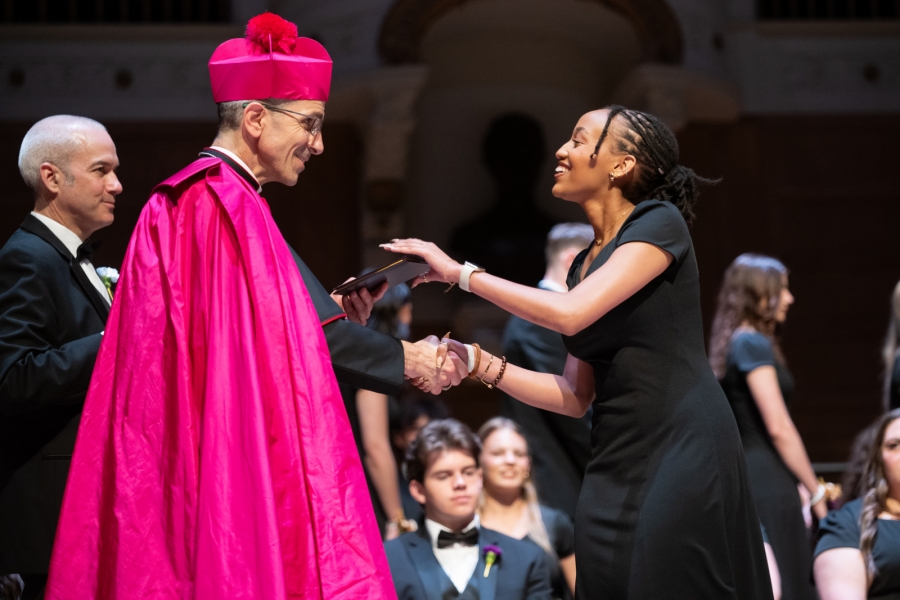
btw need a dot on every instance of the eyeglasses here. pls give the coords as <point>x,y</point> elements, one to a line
<point>311,123</point>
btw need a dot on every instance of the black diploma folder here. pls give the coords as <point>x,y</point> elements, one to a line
<point>399,271</point>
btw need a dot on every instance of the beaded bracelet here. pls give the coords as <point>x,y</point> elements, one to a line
<point>496,382</point>
<point>817,497</point>
<point>481,379</point>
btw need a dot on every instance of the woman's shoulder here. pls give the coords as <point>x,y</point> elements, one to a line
<point>659,207</point>
<point>657,222</point>
<point>747,336</point>
<point>840,528</point>
<point>661,211</point>
<point>560,529</point>
<point>550,514</point>
<point>750,349</point>
<point>849,511</point>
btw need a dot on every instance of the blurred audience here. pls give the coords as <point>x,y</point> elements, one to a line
<point>368,414</point>
<point>891,355</point>
<point>452,555</point>
<point>858,550</point>
<point>565,442</point>
<point>746,357</point>
<point>509,502</point>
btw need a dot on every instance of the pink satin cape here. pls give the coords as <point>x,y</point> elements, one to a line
<point>215,459</point>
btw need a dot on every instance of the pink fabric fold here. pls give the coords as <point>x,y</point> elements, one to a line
<point>214,459</point>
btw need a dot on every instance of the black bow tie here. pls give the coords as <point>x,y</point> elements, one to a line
<point>466,538</point>
<point>85,250</point>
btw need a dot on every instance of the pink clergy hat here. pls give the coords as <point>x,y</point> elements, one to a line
<point>270,62</point>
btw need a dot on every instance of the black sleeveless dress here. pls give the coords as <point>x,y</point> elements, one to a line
<point>774,486</point>
<point>666,509</point>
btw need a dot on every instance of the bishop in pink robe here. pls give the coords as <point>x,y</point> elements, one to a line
<point>215,459</point>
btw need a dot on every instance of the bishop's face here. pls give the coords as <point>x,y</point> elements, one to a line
<point>289,137</point>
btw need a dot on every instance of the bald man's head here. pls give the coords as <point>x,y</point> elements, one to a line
<point>53,140</point>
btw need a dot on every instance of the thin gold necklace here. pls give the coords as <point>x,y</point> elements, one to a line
<point>602,237</point>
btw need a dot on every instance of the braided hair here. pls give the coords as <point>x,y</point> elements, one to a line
<point>657,173</point>
<point>875,493</point>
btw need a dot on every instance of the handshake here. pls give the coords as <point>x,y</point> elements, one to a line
<point>432,366</point>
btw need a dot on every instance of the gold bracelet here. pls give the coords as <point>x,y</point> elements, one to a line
<point>473,374</point>
<point>481,379</point>
<point>496,382</point>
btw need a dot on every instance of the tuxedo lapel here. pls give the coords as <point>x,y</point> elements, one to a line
<point>33,225</point>
<point>427,567</point>
<point>487,585</point>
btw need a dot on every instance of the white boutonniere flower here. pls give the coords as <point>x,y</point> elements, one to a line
<point>109,277</point>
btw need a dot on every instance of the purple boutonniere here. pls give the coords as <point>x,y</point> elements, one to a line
<point>491,555</point>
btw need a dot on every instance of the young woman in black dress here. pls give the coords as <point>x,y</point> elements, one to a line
<point>665,510</point>
<point>746,358</point>
<point>858,552</point>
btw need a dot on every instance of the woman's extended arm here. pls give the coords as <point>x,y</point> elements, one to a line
<point>763,384</point>
<point>379,459</point>
<point>569,394</point>
<point>840,574</point>
<point>630,268</point>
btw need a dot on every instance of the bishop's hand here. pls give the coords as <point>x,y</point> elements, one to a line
<point>358,304</point>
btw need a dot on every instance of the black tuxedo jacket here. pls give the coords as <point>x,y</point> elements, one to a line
<point>521,572</point>
<point>564,442</point>
<point>51,319</point>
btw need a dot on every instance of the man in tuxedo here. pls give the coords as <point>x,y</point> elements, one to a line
<point>53,307</point>
<point>562,444</point>
<point>447,557</point>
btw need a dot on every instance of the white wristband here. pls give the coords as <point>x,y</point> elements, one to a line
<point>471,351</point>
<point>466,273</point>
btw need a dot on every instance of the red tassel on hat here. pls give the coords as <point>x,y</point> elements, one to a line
<point>272,33</point>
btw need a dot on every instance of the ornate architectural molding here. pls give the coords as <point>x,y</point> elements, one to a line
<point>408,20</point>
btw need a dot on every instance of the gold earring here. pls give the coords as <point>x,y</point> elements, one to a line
<point>612,176</point>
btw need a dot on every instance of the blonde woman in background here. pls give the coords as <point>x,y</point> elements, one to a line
<point>509,502</point>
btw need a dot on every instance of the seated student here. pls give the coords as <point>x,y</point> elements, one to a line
<point>858,552</point>
<point>451,556</point>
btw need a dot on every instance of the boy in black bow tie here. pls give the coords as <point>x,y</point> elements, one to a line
<point>451,556</point>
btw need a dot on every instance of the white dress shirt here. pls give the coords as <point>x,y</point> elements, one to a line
<point>238,160</point>
<point>458,561</point>
<point>71,241</point>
